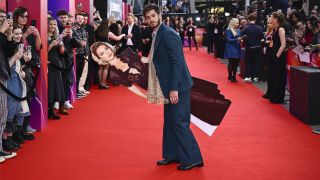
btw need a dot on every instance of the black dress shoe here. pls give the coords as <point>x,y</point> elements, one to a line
<point>168,161</point>
<point>184,167</point>
<point>266,96</point>
<point>234,80</point>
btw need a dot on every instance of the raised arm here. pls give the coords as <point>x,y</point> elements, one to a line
<point>137,91</point>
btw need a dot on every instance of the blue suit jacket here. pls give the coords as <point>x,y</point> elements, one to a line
<point>169,62</point>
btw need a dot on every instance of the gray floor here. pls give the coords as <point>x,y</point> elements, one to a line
<point>262,85</point>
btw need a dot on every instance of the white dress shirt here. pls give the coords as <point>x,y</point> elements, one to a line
<point>129,41</point>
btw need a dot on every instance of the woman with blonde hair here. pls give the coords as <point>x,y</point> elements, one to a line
<point>233,50</point>
<point>55,66</point>
<point>266,54</point>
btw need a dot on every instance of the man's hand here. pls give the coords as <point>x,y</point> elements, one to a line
<point>5,25</point>
<point>174,97</point>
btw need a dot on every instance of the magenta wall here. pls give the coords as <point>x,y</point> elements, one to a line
<point>86,6</point>
<point>3,4</point>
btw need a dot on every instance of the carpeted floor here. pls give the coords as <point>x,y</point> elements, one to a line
<point>114,134</point>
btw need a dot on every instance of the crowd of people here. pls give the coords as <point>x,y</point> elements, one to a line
<point>265,38</point>
<point>176,6</point>
<point>19,52</point>
<point>265,43</point>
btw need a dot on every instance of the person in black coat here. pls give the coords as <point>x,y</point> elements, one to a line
<point>66,32</point>
<point>253,35</point>
<point>4,75</point>
<point>92,72</point>
<point>55,82</point>
<point>133,34</point>
<point>209,29</point>
<point>146,39</point>
<point>219,43</point>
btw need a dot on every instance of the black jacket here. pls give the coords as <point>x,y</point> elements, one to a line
<point>4,62</point>
<point>136,32</point>
<point>254,35</point>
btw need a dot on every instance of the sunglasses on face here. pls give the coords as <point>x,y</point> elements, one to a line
<point>24,16</point>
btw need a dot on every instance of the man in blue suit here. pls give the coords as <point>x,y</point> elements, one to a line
<point>170,83</point>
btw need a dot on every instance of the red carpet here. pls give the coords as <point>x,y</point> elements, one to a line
<point>114,134</point>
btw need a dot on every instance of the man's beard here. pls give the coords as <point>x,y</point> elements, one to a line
<point>157,24</point>
<point>78,24</point>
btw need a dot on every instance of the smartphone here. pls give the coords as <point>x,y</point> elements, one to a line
<point>9,15</point>
<point>67,26</point>
<point>28,49</point>
<point>33,23</point>
<point>21,46</point>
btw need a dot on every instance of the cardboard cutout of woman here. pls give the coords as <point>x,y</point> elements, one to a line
<point>129,68</point>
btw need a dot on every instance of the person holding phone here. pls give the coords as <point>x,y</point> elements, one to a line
<point>31,36</point>
<point>70,42</point>
<point>55,83</point>
<point>5,25</point>
<point>17,109</point>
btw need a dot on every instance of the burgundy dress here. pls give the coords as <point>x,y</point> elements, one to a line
<point>126,78</point>
<point>207,103</point>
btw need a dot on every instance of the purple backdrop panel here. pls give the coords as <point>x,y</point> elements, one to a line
<point>37,119</point>
<point>55,5</point>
